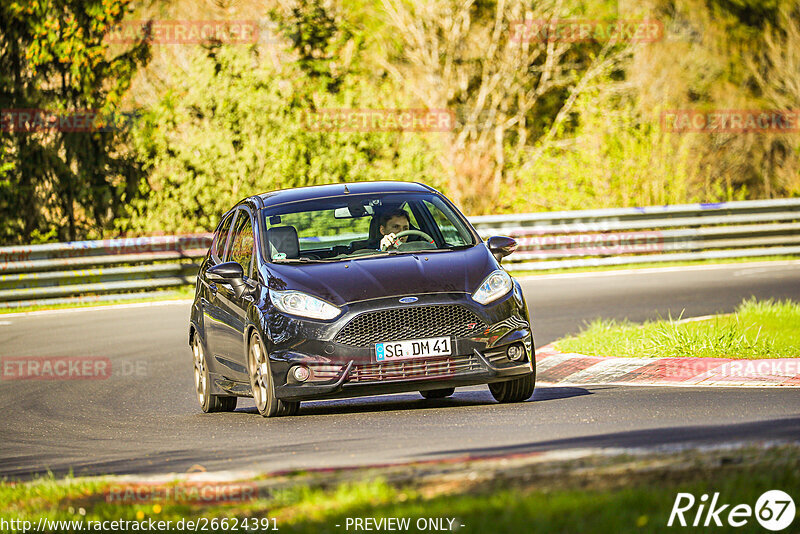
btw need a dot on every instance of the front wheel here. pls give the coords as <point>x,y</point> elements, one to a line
<point>208,402</point>
<point>267,404</point>
<point>517,390</point>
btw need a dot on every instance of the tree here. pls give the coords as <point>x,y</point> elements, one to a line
<point>511,90</point>
<point>233,125</point>
<point>69,179</point>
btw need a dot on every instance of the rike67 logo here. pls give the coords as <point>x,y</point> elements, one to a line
<point>774,510</point>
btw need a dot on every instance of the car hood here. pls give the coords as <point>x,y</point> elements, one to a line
<point>342,282</point>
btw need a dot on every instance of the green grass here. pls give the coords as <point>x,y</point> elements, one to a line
<point>757,329</point>
<point>638,508</point>
<point>567,497</point>
<point>649,265</point>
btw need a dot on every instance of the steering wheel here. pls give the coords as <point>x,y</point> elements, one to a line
<point>404,233</point>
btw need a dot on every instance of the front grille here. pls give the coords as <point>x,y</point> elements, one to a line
<point>413,322</point>
<point>414,369</point>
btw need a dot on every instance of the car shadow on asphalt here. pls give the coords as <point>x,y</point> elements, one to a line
<point>785,429</point>
<point>412,401</point>
<point>544,393</point>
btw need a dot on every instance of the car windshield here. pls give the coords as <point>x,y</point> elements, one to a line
<point>353,226</point>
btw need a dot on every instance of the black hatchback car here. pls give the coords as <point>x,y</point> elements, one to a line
<point>359,289</point>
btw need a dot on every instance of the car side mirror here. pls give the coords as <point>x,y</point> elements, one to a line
<point>501,246</point>
<point>230,273</point>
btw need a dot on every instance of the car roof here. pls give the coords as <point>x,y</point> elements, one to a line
<point>334,190</point>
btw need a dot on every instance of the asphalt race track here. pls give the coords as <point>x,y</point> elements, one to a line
<point>145,418</point>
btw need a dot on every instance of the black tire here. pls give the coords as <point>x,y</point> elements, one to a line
<point>267,404</point>
<point>226,404</point>
<point>202,383</point>
<point>437,393</point>
<point>517,390</point>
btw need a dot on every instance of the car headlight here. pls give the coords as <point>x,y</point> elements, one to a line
<point>493,287</point>
<point>302,304</point>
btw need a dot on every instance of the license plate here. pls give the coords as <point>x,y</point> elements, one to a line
<point>413,348</point>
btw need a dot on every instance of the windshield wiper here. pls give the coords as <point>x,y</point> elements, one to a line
<point>299,260</point>
<point>447,248</point>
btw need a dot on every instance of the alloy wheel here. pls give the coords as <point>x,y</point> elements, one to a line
<point>259,370</point>
<point>200,382</point>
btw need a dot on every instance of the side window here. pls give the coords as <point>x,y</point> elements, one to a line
<point>242,242</point>
<point>449,231</point>
<point>412,219</point>
<point>320,229</point>
<point>221,237</point>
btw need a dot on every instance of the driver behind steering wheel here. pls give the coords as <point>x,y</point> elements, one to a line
<point>392,223</point>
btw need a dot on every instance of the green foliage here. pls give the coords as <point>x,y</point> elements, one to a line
<point>317,37</point>
<point>236,125</point>
<point>58,183</point>
<point>614,157</point>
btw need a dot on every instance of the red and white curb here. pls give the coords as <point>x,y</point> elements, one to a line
<point>555,367</point>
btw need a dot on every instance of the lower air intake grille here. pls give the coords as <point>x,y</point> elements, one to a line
<point>413,322</point>
<point>414,369</point>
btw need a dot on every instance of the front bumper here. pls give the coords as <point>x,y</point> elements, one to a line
<point>478,358</point>
<point>341,388</point>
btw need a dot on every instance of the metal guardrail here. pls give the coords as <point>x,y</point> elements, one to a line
<point>623,236</point>
<point>56,273</point>
<point>111,269</point>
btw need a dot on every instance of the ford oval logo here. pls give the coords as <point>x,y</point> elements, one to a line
<point>408,300</point>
